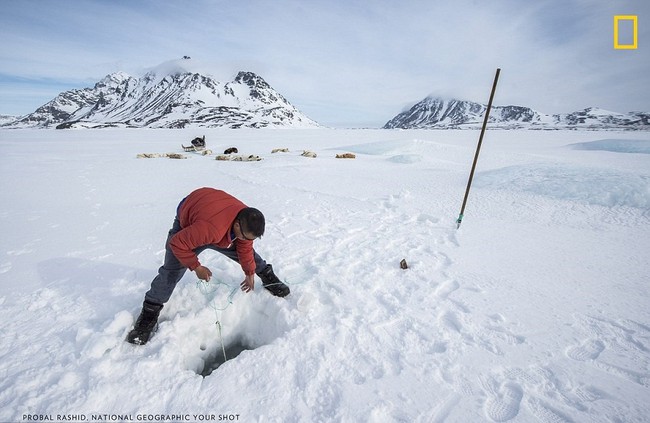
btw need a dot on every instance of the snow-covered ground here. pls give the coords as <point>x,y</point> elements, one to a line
<point>536,309</point>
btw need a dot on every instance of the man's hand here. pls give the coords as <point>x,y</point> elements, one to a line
<point>203,273</point>
<point>249,283</point>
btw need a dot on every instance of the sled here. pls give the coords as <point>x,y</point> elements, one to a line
<point>198,144</point>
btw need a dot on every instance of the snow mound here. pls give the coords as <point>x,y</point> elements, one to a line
<point>405,158</point>
<point>397,151</point>
<point>615,145</point>
<point>378,148</point>
<point>595,186</point>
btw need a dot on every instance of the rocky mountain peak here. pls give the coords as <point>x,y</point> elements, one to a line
<point>172,95</point>
<point>252,80</point>
<point>113,79</point>
<point>438,113</point>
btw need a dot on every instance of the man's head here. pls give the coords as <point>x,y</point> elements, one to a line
<point>251,223</point>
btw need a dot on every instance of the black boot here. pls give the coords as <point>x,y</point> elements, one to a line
<point>145,324</point>
<point>272,283</point>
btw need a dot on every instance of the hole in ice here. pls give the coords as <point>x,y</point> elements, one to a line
<point>216,358</point>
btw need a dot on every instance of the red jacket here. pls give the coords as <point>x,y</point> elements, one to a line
<point>206,217</point>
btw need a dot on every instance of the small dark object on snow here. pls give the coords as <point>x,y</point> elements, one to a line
<point>403,265</point>
<point>199,142</point>
<point>231,150</point>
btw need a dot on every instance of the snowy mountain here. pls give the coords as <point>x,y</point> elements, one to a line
<point>438,113</point>
<point>172,95</point>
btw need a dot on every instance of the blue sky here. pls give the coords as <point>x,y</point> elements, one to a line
<point>342,62</point>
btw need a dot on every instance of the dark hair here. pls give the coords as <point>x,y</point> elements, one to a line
<point>251,221</point>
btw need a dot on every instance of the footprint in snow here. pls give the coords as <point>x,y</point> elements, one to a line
<point>641,378</point>
<point>450,320</point>
<point>588,350</point>
<point>544,413</point>
<point>503,400</point>
<point>446,288</point>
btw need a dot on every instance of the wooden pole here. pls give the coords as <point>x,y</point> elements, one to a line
<point>478,149</point>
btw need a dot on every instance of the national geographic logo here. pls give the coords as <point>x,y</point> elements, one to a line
<point>626,32</point>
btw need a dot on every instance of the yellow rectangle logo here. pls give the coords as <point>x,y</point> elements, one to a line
<point>635,32</point>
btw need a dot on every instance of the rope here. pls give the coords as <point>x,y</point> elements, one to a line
<point>203,287</point>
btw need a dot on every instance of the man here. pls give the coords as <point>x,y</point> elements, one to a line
<point>206,219</point>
